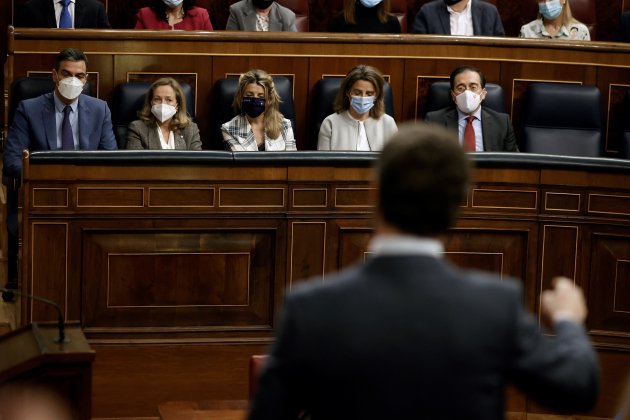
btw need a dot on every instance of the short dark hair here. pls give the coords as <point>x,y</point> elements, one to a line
<point>423,175</point>
<point>462,69</point>
<point>70,54</point>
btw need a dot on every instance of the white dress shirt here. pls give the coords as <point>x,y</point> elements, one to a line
<point>461,22</point>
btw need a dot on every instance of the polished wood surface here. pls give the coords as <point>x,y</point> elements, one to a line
<point>176,296</point>
<point>410,63</point>
<point>31,357</point>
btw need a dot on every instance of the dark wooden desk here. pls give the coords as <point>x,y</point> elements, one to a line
<point>175,263</point>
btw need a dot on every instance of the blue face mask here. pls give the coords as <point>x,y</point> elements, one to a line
<point>550,10</point>
<point>253,106</point>
<point>172,3</point>
<point>361,104</point>
<point>370,3</point>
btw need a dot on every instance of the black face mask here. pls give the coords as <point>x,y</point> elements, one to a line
<point>253,106</point>
<point>451,2</point>
<point>262,4</point>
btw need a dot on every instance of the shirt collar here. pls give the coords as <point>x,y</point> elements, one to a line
<point>382,245</point>
<point>466,11</point>
<point>462,116</point>
<point>59,106</point>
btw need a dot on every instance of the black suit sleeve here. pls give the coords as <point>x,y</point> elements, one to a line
<point>560,372</point>
<point>497,25</point>
<point>102,20</point>
<point>420,25</point>
<point>509,144</point>
<point>280,386</point>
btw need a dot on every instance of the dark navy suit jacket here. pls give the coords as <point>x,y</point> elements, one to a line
<point>34,128</point>
<point>498,134</point>
<point>405,337</point>
<point>41,14</point>
<point>433,18</point>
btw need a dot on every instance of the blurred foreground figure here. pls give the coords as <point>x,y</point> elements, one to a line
<point>33,402</point>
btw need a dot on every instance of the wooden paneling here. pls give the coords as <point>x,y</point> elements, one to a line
<point>176,295</point>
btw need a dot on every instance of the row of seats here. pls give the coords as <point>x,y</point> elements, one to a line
<point>561,119</point>
<point>583,10</point>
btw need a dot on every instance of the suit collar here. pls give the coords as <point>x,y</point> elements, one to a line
<point>445,18</point>
<point>477,16</point>
<point>49,120</point>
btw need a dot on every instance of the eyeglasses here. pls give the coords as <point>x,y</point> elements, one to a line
<point>473,87</point>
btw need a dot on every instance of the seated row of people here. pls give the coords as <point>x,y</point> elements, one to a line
<point>359,122</point>
<point>446,17</point>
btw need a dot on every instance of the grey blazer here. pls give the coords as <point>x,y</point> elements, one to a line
<point>141,135</point>
<point>498,135</point>
<point>243,18</point>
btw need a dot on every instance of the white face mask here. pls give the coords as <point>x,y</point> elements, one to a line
<point>468,101</point>
<point>163,112</point>
<point>70,88</point>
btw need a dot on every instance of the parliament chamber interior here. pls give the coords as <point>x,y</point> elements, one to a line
<point>173,264</point>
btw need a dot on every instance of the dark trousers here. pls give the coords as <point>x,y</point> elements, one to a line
<point>13,238</point>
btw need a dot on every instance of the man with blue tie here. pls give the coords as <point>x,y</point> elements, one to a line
<point>63,119</point>
<point>62,14</point>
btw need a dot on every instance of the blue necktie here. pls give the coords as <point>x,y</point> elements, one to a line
<point>67,141</point>
<point>65,21</point>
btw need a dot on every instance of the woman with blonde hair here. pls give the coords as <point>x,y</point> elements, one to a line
<point>366,16</point>
<point>555,21</point>
<point>164,123</point>
<point>359,122</point>
<point>259,125</point>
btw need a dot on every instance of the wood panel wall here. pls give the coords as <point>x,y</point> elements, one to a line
<point>410,62</point>
<point>176,267</point>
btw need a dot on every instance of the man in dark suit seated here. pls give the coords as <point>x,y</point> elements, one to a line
<point>458,17</point>
<point>407,334</point>
<point>63,119</point>
<point>62,14</point>
<point>480,129</point>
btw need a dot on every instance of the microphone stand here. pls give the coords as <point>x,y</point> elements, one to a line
<point>61,339</point>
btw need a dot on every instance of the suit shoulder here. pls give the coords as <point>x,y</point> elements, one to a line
<point>486,281</point>
<point>495,114</point>
<point>440,113</point>
<point>284,10</point>
<point>432,6</point>
<point>239,5</point>
<point>313,288</point>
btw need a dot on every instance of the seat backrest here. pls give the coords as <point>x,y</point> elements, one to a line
<point>128,99</point>
<point>586,12</point>
<point>439,96</point>
<point>31,87</point>
<point>256,363</point>
<point>562,119</point>
<point>399,9</point>
<point>301,10</point>
<point>624,149</point>
<point>223,95</point>
<point>323,104</point>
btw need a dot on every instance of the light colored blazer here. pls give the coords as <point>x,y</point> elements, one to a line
<point>341,132</point>
<point>141,135</point>
<point>243,17</point>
